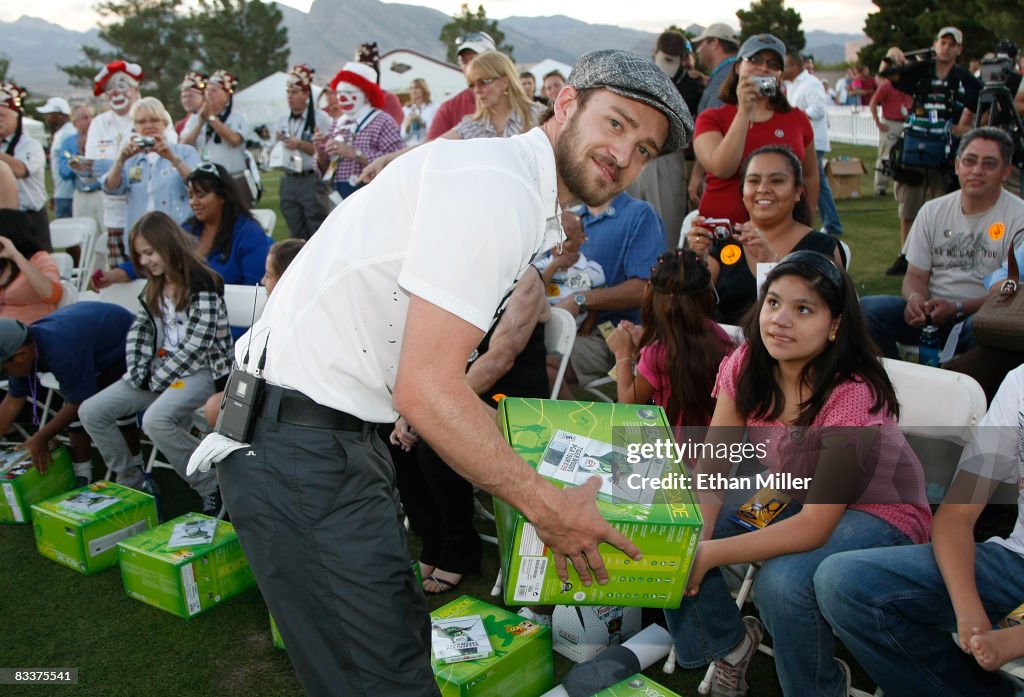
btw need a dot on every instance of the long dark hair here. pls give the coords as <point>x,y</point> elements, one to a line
<point>852,355</point>
<point>181,262</point>
<point>677,313</point>
<point>801,212</point>
<point>16,226</point>
<point>727,93</point>
<point>204,181</point>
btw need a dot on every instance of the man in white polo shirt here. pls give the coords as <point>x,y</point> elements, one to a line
<point>378,314</point>
<point>24,155</point>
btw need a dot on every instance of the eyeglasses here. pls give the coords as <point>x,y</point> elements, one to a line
<point>207,168</point>
<point>482,83</point>
<point>473,37</point>
<point>760,60</point>
<point>989,164</point>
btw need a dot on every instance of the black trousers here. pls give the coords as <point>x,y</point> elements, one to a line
<point>318,516</point>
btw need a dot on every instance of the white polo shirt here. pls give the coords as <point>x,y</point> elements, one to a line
<point>107,135</point>
<point>32,188</point>
<point>231,158</point>
<point>293,125</point>
<point>453,222</point>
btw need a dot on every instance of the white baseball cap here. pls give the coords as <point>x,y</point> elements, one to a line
<point>55,105</point>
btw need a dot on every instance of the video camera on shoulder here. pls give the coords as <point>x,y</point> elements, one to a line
<point>923,55</point>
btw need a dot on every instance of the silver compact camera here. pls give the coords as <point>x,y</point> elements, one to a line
<point>767,86</point>
<point>144,142</point>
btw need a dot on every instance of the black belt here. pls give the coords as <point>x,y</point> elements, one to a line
<point>298,174</point>
<point>299,410</point>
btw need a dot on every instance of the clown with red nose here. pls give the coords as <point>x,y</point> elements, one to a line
<point>362,133</point>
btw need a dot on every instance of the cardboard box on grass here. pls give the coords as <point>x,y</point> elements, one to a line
<point>844,176</point>
<point>638,685</point>
<point>184,581</point>
<point>23,485</point>
<point>664,523</point>
<point>580,632</point>
<point>521,665</point>
<point>81,528</point>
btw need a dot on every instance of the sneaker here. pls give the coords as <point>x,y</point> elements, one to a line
<point>730,679</point>
<point>898,268</point>
<point>881,192</point>
<point>212,503</point>
<point>132,477</point>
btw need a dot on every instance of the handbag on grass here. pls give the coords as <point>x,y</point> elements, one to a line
<point>999,323</point>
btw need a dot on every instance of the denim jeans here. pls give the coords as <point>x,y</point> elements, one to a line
<point>891,609</point>
<point>884,314</point>
<point>708,626</point>
<point>826,204</point>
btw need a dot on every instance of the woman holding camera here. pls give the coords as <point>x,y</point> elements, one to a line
<point>755,114</point>
<point>775,197</point>
<point>149,170</point>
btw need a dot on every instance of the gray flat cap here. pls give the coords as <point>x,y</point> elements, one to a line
<point>633,77</point>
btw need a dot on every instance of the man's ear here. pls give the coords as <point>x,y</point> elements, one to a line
<point>566,103</point>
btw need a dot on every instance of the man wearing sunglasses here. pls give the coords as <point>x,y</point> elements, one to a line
<point>378,315</point>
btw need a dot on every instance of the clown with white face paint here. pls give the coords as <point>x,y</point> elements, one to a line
<point>362,133</point>
<point>109,132</point>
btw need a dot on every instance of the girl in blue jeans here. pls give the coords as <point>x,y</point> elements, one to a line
<point>809,394</point>
<point>178,348</point>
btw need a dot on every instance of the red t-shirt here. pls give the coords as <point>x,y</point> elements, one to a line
<point>393,107</point>
<point>895,104</point>
<point>450,113</point>
<point>869,86</point>
<point>723,198</point>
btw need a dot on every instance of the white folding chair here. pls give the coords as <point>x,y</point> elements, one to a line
<point>124,294</point>
<point>267,218</point>
<point>559,337</point>
<point>65,265</point>
<point>245,303</point>
<point>687,224</point>
<point>76,232</point>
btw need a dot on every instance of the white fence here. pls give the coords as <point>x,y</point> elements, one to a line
<point>853,125</point>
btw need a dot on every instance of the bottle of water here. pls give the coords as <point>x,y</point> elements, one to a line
<point>928,351</point>
<point>150,487</point>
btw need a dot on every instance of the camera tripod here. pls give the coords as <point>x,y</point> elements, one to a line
<point>996,108</point>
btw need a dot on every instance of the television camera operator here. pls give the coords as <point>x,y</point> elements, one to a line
<point>945,99</point>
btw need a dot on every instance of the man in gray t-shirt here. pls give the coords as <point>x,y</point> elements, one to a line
<point>954,243</point>
<point>716,47</point>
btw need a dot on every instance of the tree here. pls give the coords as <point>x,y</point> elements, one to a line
<point>242,37</point>
<point>468,21</point>
<point>772,17</point>
<point>888,27</point>
<point>1004,18</point>
<point>151,33</point>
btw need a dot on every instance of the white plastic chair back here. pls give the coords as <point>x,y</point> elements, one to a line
<point>245,304</point>
<point>559,337</point>
<point>70,294</point>
<point>267,219</point>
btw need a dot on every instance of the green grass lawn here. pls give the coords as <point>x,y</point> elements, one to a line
<point>56,618</point>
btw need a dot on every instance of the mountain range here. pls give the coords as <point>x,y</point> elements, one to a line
<point>327,35</point>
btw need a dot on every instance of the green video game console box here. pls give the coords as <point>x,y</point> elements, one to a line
<point>23,485</point>
<point>520,665</point>
<point>644,495</point>
<point>81,528</point>
<point>185,566</point>
<point>638,685</point>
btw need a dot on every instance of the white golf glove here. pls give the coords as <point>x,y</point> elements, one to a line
<point>214,448</point>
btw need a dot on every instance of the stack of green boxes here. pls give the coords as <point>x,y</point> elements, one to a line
<point>568,442</point>
<point>520,666</point>
<point>81,528</point>
<point>23,485</point>
<point>184,581</point>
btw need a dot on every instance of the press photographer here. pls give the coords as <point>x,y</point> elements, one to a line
<point>945,100</point>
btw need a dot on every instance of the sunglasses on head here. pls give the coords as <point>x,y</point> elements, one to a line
<point>471,37</point>
<point>208,168</point>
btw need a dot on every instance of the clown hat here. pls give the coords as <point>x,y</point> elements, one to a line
<point>225,79</point>
<point>12,97</point>
<point>365,78</point>
<point>300,76</point>
<point>132,70</point>
<point>194,80</point>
